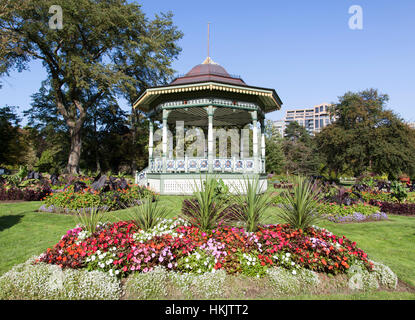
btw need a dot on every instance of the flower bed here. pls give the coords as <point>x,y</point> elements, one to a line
<point>360,212</point>
<point>69,201</point>
<point>121,249</point>
<point>25,194</point>
<point>396,208</point>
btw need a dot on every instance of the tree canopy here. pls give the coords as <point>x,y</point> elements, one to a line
<point>106,48</point>
<point>367,137</point>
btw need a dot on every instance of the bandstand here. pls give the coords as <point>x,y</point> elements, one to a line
<point>209,105</point>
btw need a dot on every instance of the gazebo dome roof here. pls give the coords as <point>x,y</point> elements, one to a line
<point>208,71</point>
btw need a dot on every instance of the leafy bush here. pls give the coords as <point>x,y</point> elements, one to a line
<point>26,194</point>
<point>300,208</point>
<point>89,198</point>
<point>332,209</point>
<point>396,208</point>
<point>398,191</point>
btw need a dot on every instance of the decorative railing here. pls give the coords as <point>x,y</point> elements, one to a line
<point>207,101</point>
<point>191,165</point>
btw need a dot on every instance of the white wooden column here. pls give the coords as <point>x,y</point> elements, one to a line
<point>263,145</point>
<point>210,138</point>
<point>150,143</point>
<point>165,115</point>
<point>255,139</point>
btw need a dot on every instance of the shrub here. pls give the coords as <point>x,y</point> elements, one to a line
<point>45,281</point>
<point>396,208</point>
<point>26,194</point>
<point>203,286</point>
<point>361,279</point>
<point>151,285</point>
<point>71,201</point>
<point>300,208</point>
<point>398,191</point>
<point>386,277</point>
<point>341,210</point>
<point>283,281</point>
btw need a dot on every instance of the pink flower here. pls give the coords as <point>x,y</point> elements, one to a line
<point>170,265</point>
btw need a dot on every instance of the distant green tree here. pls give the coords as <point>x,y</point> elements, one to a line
<point>367,137</point>
<point>106,47</point>
<point>299,150</point>
<point>11,149</point>
<point>274,154</point>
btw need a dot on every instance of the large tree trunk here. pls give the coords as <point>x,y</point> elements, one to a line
<point>75,153</point>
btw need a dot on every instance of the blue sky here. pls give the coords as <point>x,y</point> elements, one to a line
<point>305,49</point>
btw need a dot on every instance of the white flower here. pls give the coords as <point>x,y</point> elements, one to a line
<point>294,272</point>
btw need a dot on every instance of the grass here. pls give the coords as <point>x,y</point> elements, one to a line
<point>25,232</point>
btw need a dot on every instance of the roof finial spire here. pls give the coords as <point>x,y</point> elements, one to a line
<point>208,60</point>
<point>208,35</point>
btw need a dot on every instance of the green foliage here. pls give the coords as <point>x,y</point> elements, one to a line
<point>398,191</point>
<point>106,49</point>
<point>300,205</point>
<point>299,149</point>
<point>148,214</point>
<point>198,262</point>
<point>283,281</point>
<point>274,153</point>
<point>367,137</point>
<point>48,161</point>
<point>87,198</point>
<point>250,264</point>
<point>208,207</point>
<point>49,282</point>
<point>251,203</point>
<point>90,218</point>
<point>342,210</point>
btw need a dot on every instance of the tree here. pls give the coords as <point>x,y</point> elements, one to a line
<point>10,137</point>
<point>106,47</point>
<point>367,137</point>
<point>274,154</point>
<point>299,150</point>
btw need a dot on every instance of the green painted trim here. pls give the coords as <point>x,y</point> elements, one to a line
<point>198,105</point>
<point>164,176</point>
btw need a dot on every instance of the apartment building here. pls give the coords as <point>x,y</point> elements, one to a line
<point>313,119</point>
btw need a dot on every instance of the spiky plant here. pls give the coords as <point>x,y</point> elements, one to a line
<point>207,208</point>
<point>89,218</point>
<point>250,204</point>
<point>148,214</point>
<point>300,205</point>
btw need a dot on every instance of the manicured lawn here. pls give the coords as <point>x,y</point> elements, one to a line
<point>24,232</point>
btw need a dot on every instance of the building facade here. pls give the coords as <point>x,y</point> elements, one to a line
<point>313,119</point>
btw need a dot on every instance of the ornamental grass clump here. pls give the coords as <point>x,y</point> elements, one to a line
<point>148,214</point>
<point>90,219</point>
<point>300,206</point>
<point>250,203</point>
<point>208,208</point>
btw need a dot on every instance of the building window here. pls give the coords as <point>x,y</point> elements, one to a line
<point>321,123</point>
<point>316,110</point>
<point>316,123</point>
